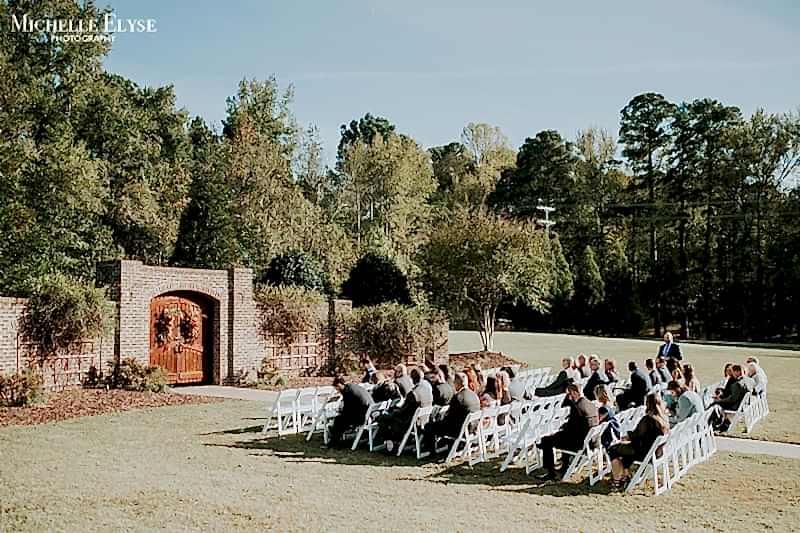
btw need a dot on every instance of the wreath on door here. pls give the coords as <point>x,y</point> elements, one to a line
<point>188,323</point>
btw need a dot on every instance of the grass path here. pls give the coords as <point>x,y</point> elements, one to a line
<point>782,367</point>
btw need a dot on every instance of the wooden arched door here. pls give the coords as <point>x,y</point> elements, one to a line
<point>181,336</point>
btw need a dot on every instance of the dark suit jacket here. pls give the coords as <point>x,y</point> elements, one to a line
<point>673,353</point>
<point>404,385</point>
<point>555,388</point>
<point>463,403</point>
<point>640,387</point>
<point>582,417</point>
<point>355,402</point>
<point>597,378</point>
<point>442,393</point>
<point>385,391</point>
<point>655,377</point>
<point>737,392</point>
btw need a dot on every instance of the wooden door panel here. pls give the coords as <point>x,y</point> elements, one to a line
<point>179,341</point>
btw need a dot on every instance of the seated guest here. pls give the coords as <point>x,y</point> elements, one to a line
<point>501,388</point>
<point>655,377</point>
<point>582,366</point>
<point>442,390</point>
<point>480,378</point>
<point>393,425</point>
<point>728,379</point>
<point>758,375</point>
<point>488,397</point>
<point>559,386</point>
<point>730,402</point>
<point>447,374</point>
<point>516,386</point>
<point>582,417</point>
<point>598,377</point>
<point>690,380</point>
<point>611,433</point>
<point>603,399</point>
<point>572,372</point>
<point>762,376</point>
<point>369,370</point>
<point>687,403</point>
<point>663,371</point>
<point>401,379</point>
<point>677,375</point>
<point>640,387</point>
<point>472,379</point>
<point>355,402</point>
<point>639,441</point>
<point>464,402</point>
<point>384,389</point>
<point>611,370</point>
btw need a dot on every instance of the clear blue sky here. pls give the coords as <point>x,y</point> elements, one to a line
<point>433,66</point>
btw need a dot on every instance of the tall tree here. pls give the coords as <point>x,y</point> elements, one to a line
<point>365,129</point>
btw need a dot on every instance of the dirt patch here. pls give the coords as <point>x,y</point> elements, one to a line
<point>485,359</point>
<point>90,402</point>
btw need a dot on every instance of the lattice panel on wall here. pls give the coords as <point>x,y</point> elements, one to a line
<point>67,371</point>
<point>306,353</point>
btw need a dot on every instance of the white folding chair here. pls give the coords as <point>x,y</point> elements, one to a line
<point>421,417</point>
<point>370,424</point>
<point>586,455</point>
<point>466,446</point>
<point>282,413</point>
<point>305,407</point>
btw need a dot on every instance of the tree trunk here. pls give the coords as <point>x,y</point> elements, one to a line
<point>486,324</point>
<point>651,196</point>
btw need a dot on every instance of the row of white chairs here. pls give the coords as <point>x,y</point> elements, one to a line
<point>753,408</point>
<point>672,455</point>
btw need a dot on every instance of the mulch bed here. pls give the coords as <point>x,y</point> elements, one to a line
<point>457,362</point>
<point>89,402</point>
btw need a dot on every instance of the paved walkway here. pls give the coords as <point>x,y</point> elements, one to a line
<point>233,393</point>
<point>725,444</point>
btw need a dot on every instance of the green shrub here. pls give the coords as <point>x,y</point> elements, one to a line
<point>21,389</point>
<point>286,311</point>
<point>376,279</point>
<point>130,374</point>
<point>61,312</point>
<point>294,268</point>
<point>387,333</point>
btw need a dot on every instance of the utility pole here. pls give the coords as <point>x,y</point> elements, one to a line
<point>546,222</point>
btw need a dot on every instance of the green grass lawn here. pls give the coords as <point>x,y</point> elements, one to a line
<point>207,468</point>
<point>782,366</point>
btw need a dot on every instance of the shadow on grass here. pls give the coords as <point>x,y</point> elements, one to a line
<point>295,448</point>
<point>236,431</point>
<point>515,480</point>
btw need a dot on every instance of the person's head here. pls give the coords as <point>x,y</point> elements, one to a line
<point>654,406</point>
<point>339,382</point>
<point>736,371</point>
<point>580,361</point>
<point>491,386</point>
<point>594,362</point>
<point>573,392</point>
<point>610,365</point>
<point>660,363</point>
<point>445,370</point>
<point>602,413</point>
<point>688,372</point>
<point>472,379</point>
<point>601,393</point>
<point>500,382</point>
<point>377,378</point>
<point>752,369</point>
<point>727,370</point>
<point>752,359</point>
<point>677,375</point>
<point>676,388</point>
<point>668,337</point>
<point>459,381</point>
<point>632,366</point>
<point>509,372</point>
<point>416,375</point>
<point>434,377</point>
<point>649,364</point>
<point>400,371</point>
<point>366,363</point>
<point>566,362</point>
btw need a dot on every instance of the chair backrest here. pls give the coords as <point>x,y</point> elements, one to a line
<point>422,415</point>
<point>306,395</point>
<point>287,397</point>
<point>374,410</point>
